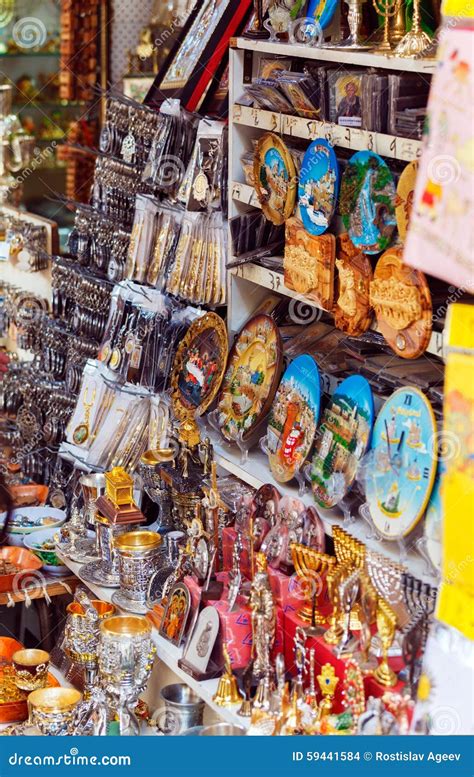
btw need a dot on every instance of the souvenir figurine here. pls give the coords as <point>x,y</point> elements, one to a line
<point>367,202</point>
<point>352,311</point>
<point>401,299</point>
<point>342,440</point>
<point>398,484</point>
<point>293,418</point>
<point>318,186</point>
<point>263,617</point>
<point>309,263</point>
<point>275,178</point>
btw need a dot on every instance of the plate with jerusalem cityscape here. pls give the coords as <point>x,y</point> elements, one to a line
<point>275,178</point>
<point>251,379</point>
<point>318,186</point>
<point>342,439</point>
<point>367,202</point>
<point>293,418</point>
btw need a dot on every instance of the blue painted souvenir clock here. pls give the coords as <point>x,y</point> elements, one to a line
<point>400,479</point>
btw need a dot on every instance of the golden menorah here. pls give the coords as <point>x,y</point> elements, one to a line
<point>386,626</point>
<point>386,9</point>
<point>311,567</point>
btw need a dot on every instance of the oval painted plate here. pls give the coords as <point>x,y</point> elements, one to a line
<point>322,11</point>
<point>293,418</point>
<point>434,525</point>
<point>318,186</point>
<point>367,202</point>
<point>198,366</point>
<point>343,438</point>
<point>275,178</point>
<point>400,481</point>
<point>251,379</point>
<point>405,196</point>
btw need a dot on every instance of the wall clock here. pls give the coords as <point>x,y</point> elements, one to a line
<point>367,202</point>
<point>293,418</point>
<point>251,379</point>
<point>275,178</point>
<point>401,299</point>
<point>198,370</point>
<point>341,441</point>
<point>318,186</point>
<point>400,478</point>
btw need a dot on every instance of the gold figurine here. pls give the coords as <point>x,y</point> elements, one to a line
<point>263,616</point>
<point>327,681</point>
<point>386,625</point>
<point>227,691</point>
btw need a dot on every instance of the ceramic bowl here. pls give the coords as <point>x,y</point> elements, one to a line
<point>51,562</point>
<point>24,520</point>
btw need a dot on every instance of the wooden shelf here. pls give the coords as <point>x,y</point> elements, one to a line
<point>390,146</point>
<point>54,586</point>
<point>339,56</point>
<point>274,281</point>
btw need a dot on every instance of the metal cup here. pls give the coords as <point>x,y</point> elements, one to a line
<point>31,669</point>
<point>52,710</point>
<point>173,540</point>
<point>184,709</point>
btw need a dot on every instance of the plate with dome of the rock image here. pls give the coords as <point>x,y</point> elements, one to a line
<point>318,186</point>
<point>251,378</point>
<point>293,418</point>
<point>367,202</point>
<point>341,440</point>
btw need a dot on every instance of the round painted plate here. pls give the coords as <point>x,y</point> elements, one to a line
<point>199,366</point>
<point>293,418</point>
<point>400,480</point>
<point>275,178</point>
<point>342,439</point>
<point>434,525</point>
<point>251,379</point>
<point>322,11</point>
<point>405,196</point>
<point>318,186</point>
<point>367,202</point>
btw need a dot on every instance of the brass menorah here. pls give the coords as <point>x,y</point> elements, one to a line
<point>311,567</point>
<point>386,9</point>
<point>386,626</point>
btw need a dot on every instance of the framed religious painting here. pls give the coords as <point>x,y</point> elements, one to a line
<point>198,369</point>
<point>401,299</point>
<point>275,178</point>
<point>318,186</point>
<point>251,379</point>
<point>189,69</point>
<point>367,202</point>
<point>342,440</point>
<point>175,616</point>
<point>400,477</point>
<point>404,198</point>
<point>293,418</point>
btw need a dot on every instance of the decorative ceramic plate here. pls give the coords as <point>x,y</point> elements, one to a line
<point>434,525</point>
<point>343,438</point>
<point>322,11</point>
<point>405,196</point>
<point>251,379</point>
<point>401,299</point>
<point>367,202</point>
<point>275,178</point>
<point>318,186</point>
<point>199,366</point>
<point>293,418</point>
<point>400,479</point>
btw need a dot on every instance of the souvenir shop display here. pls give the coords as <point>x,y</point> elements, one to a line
<point>16,144</point>
<point>231,416</point>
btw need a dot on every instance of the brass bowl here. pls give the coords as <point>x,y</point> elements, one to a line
<point>126,625</point>
<point>30,657</point>
<point>156,456</point>
<point>54,699</point>
<point>138,540</point>
<point>103,609</point>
